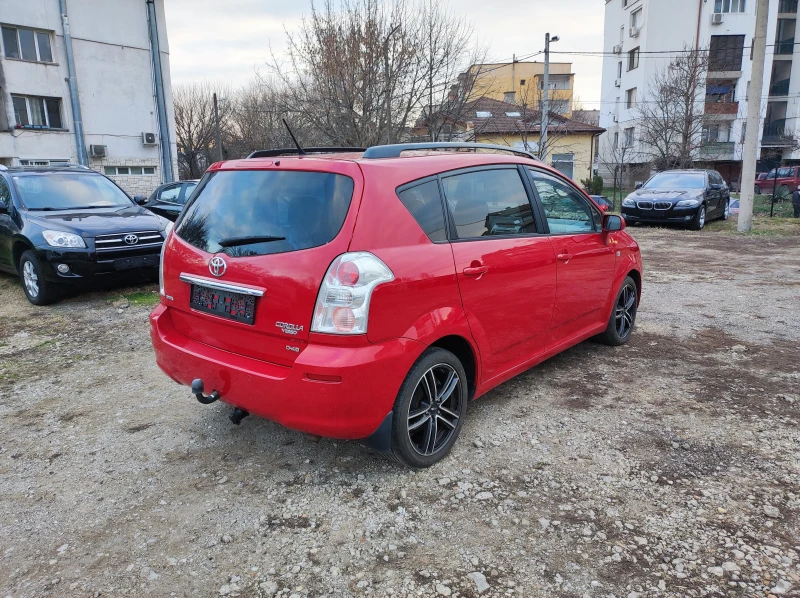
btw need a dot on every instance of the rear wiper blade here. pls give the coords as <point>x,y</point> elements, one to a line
<point>234,241</point>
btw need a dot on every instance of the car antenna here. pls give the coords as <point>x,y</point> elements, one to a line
<point>300,150</point>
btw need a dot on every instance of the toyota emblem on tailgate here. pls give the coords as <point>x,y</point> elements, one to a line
<point>217,266</point>
<point>131,239</point>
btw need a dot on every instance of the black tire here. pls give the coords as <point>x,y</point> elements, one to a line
<point>619,329</point>
<point>783,192</point>
<point>726,210</point>
<point>416,419</point>
<point>758,190</point>
<point>699,220</point>
<point>38,290</point>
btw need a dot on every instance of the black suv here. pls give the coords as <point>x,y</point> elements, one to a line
<point>688,197</point>
<point>69,225</point>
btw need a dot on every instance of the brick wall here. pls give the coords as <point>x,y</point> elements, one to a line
<point>140,184</point>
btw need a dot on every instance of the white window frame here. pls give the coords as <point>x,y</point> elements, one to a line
<point>30,124</point>
<point>36,33</point>
<point>571,163</point>
<point>730,6</point>
<point>637,17</point>
<point>630,98</point>
<point>43,161</point>
<point>629,136</point>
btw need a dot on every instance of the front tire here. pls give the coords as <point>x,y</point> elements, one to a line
<point>699,220</point>
<point>623,316</point>
<point>38,290</point>
<point>429,410</point>
<point>784,192</point>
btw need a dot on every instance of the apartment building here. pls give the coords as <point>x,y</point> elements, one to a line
<point>643,36</point>
<point>522,82</point>
<point>128,131</point>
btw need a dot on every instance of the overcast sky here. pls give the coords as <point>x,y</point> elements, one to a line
<point>229,40</point>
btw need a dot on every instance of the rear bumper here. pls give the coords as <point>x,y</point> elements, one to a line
<point>352,408</point>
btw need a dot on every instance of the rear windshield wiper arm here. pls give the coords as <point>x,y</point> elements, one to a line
<point>234,241</point>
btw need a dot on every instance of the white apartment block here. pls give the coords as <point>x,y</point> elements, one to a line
<point>124,134</point>
<point>642,36</point>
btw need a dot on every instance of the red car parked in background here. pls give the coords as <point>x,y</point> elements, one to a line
<point>371,295</point>
<point>788,179</point>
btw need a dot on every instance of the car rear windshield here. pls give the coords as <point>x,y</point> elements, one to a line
<point>258,212</point>
<point>677,180</point>
<point>69,191</point>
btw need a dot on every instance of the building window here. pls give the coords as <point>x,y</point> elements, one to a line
<point>729,5</point>
<point>636,17</point>
<point>719,133</point>
<point>27,44</point>
<point>726,52</point>
<point>51,162</point>
<point>630,98</point>
<point>619,70</point>
<point>129,170</point>
<point>521,82</point>
<point>37,113</point>
<point>616,138</point>
<point>564,163</point>
<point>633,59</point>
<point>628,141</point>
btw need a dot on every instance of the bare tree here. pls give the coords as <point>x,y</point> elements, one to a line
<point>195,125</point>
<point>358,73</point>
<point>670,121</point>
<point>616,155</point>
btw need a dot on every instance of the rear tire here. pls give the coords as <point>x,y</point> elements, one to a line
<point>758,190</point>
<point>726,211</point>
<point>699,220</point>
<point>429,410</point>
<point>623,315</point>
<point>38,290</point>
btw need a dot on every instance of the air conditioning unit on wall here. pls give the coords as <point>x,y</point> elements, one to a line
<point>97,151</point>
<point>617,49</point>
<point>617,82</point>
<point>634,32</point>
<point>149,139</point>
<point>716,18</point>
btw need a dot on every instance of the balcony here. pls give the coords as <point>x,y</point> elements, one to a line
<point>785,47</point>
<point>788,7</point>
<point>717,150</point>
<point>780,88</point>
<point>722,108</point>
<point>777,135</point>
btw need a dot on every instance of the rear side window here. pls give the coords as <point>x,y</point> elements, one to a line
<point>258,212</point>
<point>488,203</point>
<point>425,205</point>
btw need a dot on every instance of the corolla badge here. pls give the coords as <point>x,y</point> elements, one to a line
<point>292,329</point>
<point>217,265</point>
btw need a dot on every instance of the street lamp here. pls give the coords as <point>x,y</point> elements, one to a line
<point>216,125</point>
<point>546,95</point>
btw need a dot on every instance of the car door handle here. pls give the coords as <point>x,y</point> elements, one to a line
<point>564,257</point>
<point>476,270</point>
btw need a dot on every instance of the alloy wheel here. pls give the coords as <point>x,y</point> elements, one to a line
<point>625,311</point>
<point>434,409</point>
<point>31,279</point>
<point>702,218</point>
<point>727,210</point>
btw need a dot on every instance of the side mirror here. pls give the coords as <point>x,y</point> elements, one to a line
<point>613,223</point>
<point>639,185</point>
<point>715,187</point>
<point>140,199</point>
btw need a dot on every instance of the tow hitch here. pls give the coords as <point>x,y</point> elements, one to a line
<point>197,391</point>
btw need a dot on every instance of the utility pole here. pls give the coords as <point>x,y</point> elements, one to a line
<point>216,125</point>
<point>545,96</point>
<point>749,156</point>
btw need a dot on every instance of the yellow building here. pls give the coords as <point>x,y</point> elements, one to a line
<point>521,83</point>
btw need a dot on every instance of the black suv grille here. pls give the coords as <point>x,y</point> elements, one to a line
<point>133,240</point>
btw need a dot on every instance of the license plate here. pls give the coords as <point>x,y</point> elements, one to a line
<point>234,306</point>
<point>142,261</point>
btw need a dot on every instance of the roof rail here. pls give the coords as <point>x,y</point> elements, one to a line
<point>272,153</point>
<point>394,151</point>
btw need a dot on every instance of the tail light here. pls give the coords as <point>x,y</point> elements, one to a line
<point>343,302</point>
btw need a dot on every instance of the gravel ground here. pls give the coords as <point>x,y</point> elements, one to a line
<point>669,467</point>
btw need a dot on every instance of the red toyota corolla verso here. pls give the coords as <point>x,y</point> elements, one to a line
<point>371,295</point>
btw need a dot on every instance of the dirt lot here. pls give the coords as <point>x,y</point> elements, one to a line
<point>667,467</point>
